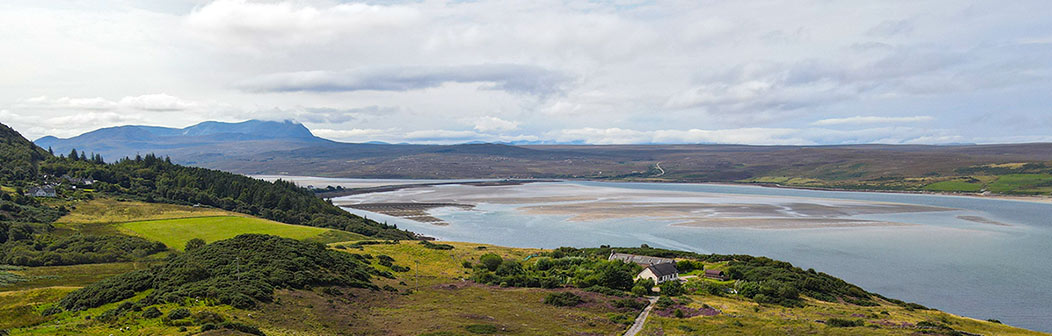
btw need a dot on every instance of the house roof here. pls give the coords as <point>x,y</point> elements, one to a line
<point>640,259</point>
<point>713,272</point>
<point>663,269</point>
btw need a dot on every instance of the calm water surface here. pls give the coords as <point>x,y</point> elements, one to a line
<point>973,269</point>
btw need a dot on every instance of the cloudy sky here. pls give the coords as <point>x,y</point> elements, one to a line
<point>693,71</point>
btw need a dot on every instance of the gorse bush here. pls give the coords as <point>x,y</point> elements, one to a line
<point>212,271</point>
<point>563,299</point>
<point>28,249</point>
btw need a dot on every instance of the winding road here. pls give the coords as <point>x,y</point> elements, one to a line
<point>642,318</point>
<point>658,166</point>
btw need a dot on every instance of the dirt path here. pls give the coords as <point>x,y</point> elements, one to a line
<point>658,165</point>
<point>641,319</point>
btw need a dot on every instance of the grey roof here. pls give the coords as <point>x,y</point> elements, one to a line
<point>663,269</point>
<point>640,259</point>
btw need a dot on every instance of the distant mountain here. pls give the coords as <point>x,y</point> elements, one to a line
<point>208,139</point>
<point>264,147</point>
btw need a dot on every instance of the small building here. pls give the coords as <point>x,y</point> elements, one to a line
<point>79,180</point>
<point>640,259</point>
<point>44,191</point>
<point>716,274</point>
<point>660,273</point>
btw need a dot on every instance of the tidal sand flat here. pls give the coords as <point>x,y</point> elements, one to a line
<point>581,203</point>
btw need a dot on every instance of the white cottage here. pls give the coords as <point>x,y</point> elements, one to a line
<point>659,273</point>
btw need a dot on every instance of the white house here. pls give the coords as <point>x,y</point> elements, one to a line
<point>659,273</point>
<point>45,191</point>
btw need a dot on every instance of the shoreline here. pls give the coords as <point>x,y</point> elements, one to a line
<point>366,190</point>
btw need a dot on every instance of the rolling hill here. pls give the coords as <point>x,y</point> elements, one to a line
<point>274,148</point>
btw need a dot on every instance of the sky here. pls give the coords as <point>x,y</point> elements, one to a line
<point>538,71</point>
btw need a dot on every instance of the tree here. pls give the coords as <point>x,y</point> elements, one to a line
<point>73,154</point>
<point>491,261</point>
<point>671,288</point>
<point>194,243</point>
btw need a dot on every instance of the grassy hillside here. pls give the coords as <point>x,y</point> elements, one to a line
<point>435,286</point>
<point>176,232</point>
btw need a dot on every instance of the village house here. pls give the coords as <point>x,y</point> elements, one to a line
<point>79,180</point>
<point>640,260</point>
<point>659,273</point>
<point>44,191</point>
<point>716,274</point>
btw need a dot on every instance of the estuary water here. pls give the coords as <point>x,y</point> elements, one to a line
<point>978,257</point>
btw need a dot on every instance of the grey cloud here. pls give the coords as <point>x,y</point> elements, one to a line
<point>512,78</point>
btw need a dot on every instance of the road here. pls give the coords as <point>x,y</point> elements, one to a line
<point>641,319</point>
<point>658,165</point>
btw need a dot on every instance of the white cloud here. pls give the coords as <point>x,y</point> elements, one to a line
<point>862,120</point>
<point>148,102</point>
<point>491,124</point>
<point>156,102</point>
<point>287,23</point>
<point>353,135</point>
<point>578,70</point>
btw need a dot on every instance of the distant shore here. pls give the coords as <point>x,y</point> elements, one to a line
<point>493,182</point>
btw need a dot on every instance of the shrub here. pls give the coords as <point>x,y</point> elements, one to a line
<point>605,291</point>
<point>671,288</point>
<point>194,243</point>
<point>434,246</point>
<point>845,323</point>
<point>563,299</point>
<point>678,313</point>
<point>481,328</point>
<point>54,309</point>
<point>266,263</point>
<point>204,317</point>
<point>491,261</point>
<point>466,264</point>
<point>178,314</point>
<point>629,303</point>
<point>151,312</point>
<point>664,302</point>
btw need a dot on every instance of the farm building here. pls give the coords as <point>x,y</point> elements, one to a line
<point>45,191</point>
<point>715,274</point>
<point>640,259</point>
<point>659,273</point>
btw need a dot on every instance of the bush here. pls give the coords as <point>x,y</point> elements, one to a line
<point>678,313</point>
<point>194,243</point>
<point>204,317</point>
<point>266,263</point>
<point>629,303</point>
<point>434,246</point>
<point>491,261</point>
<point>664,302</point>
<point>671,288</point>
<point>151,312</point>
<point>482,329</point>
<point>178,314</point>
<point>563,299</point>
<point>845,323</point>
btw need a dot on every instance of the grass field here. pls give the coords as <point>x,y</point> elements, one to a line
<point>1021,183</point>
<point>954,186</point>
<point>108,210</point>
<point>176,232</point>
